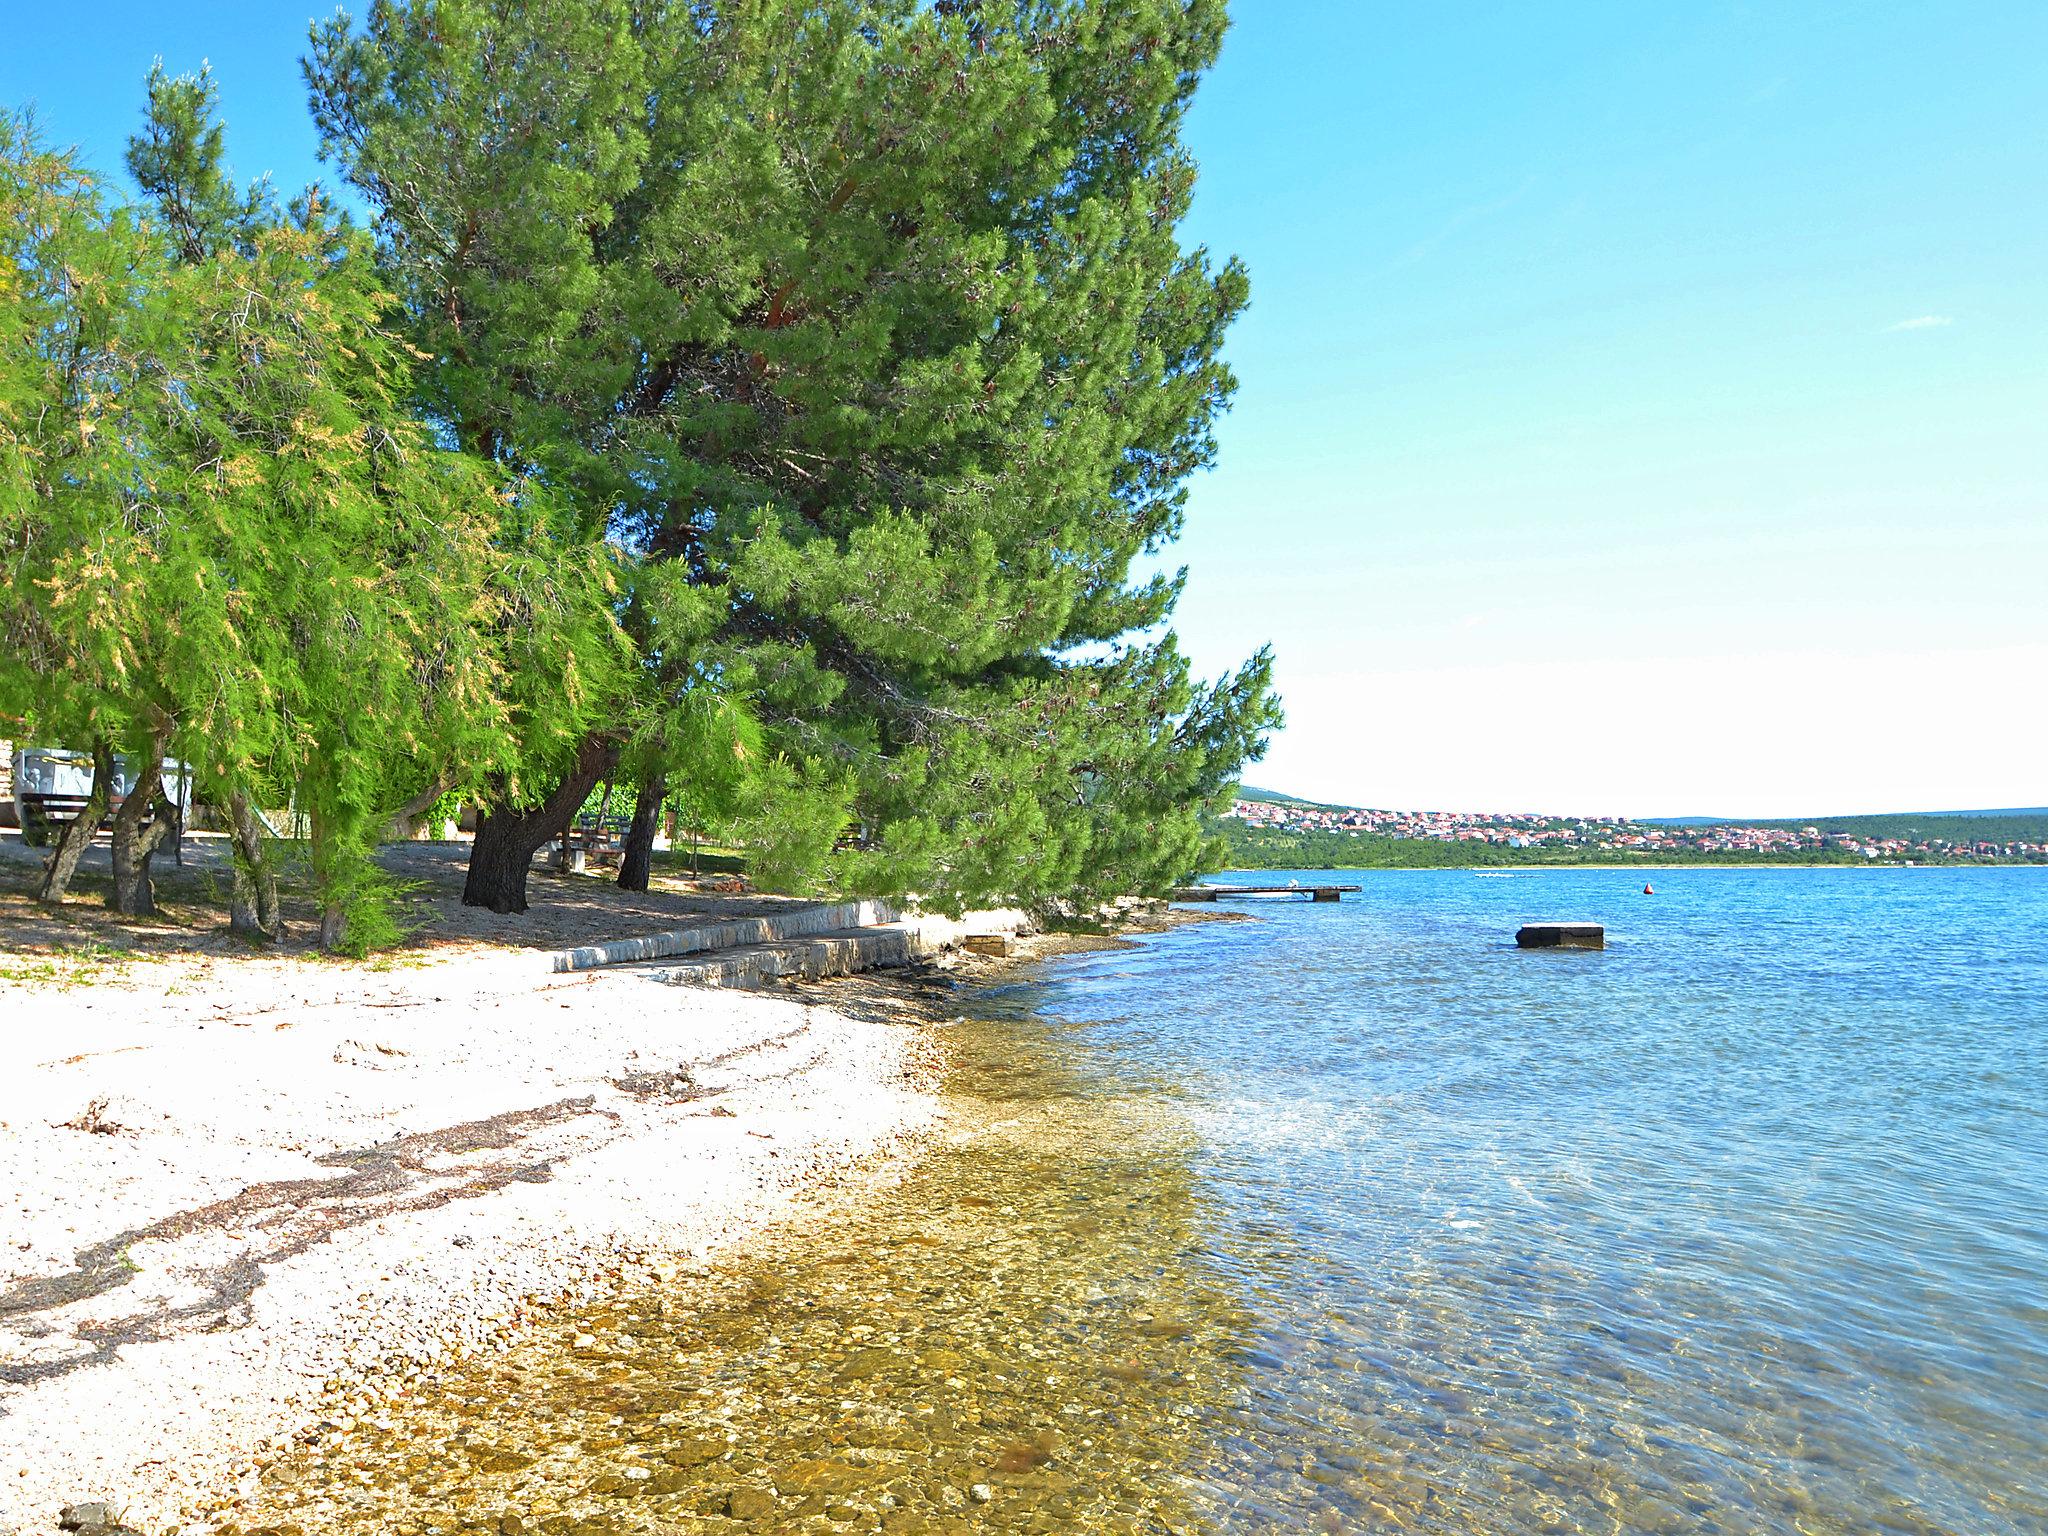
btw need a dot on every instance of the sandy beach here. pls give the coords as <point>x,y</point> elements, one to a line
<point>251,1197</point>
<point>245,1190</point>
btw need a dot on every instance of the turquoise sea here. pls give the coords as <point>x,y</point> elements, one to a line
<point>1740,1225</point>
<point>1356,1218</point>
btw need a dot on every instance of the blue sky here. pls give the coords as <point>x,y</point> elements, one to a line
<point>1644,409</point>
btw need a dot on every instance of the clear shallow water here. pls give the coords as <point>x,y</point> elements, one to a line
<point>1358,1218</point>
<point>1741,1224</point>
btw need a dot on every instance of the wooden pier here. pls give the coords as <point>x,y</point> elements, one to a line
<point>1223,892</point>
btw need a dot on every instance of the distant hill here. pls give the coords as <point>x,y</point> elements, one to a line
<point>2017,824</point>
<point>1274,797</point>
<point>1815,821</point>
<point>2028,825</point>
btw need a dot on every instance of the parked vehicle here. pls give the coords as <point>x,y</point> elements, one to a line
<point>52,785</point>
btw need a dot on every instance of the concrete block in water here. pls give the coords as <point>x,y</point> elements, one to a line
<point>1561,936</point>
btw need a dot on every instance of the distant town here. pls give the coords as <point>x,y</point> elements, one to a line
<point>1280,825</point>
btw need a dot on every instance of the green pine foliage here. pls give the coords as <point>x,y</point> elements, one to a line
<point>874,319</point>
<point>792,403</point>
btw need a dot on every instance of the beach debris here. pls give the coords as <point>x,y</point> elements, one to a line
<point>672,1085</point>
<point>995,945</point>
<point>374,1054</point>
<point>726,885</point>
<point>1029,1453</point>
<point>100,1117</point>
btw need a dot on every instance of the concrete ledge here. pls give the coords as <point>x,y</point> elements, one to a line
<point>734,933</point>
<point>832,954</point>
<point>843,952</point>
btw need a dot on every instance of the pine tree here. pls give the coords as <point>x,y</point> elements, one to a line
<point>873,318</point>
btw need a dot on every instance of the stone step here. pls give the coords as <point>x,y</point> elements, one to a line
<point>824,939</point>
<point>734,933</point>
<point>845,952</point>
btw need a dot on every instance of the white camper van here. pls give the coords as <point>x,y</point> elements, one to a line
<point>51,787</point>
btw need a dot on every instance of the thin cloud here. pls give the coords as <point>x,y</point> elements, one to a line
<point>1922,323</point>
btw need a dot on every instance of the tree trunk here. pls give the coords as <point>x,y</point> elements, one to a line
<point>133,843</point>
<point>333,915</point>
<point>507,838</point>
<point>637,860</point>
<point>405,821</point>
<point>77,834</point>
<point>252,907</point>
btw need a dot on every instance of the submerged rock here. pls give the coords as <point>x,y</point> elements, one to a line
<point>750,1504</point>
<point>94,1519</point>
<point>820,1477</point>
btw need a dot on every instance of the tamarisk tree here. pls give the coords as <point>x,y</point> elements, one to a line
<point>230,537</point>
<point>72,269</point>
<point>388,601</point>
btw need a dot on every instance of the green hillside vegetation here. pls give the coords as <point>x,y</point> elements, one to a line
<point>2021,825</point>
<point>1236,846</point>
<point>1274,797</point>
<point>2026,826</point>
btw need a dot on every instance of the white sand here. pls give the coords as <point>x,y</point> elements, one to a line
<point>322,1173</point>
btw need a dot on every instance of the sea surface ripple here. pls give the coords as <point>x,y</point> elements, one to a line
<point>1358,1218</point>
<point>1741,1224</point>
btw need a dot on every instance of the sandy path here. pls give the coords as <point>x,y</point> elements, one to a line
<point>566,910</point>
<point>305,1179</point>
